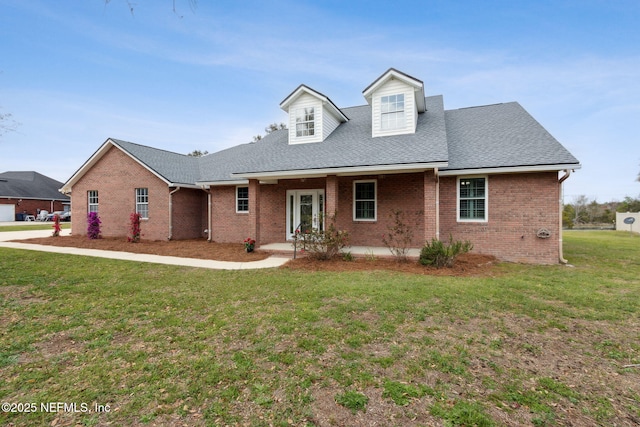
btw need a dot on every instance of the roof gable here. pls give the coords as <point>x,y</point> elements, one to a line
<point>304,89</point>
<point>174,169</point>
<point>393,74</point>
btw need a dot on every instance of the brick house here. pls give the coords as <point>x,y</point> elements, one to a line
<point>29,192</point>
<point>490,174</point>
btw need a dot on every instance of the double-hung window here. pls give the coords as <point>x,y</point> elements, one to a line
<point>392,112</point>
<point>364,200</point>
<point>92,201</point>
<point>472,199</point>
<point>142,202</point>
<point>305,125</point>
<point>242,199</point>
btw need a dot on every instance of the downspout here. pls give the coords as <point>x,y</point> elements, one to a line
<point>209,211</point>
<point>437,179</point>
<point>171,212</point>
<point>567,172</point>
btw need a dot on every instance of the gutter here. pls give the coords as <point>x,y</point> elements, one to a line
<point>437,179</point>
<point>171,212</point>
<point>567,172</point>
<point>209,211</point>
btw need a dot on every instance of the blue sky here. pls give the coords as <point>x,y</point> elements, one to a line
<point>74,73</point>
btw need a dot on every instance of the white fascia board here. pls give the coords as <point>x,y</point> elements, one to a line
<point>512,169</point>
<point>99,154</point>
<point>297,93</point>
<point>143,164</point>
<point>389,75</point>
<point>325,101</point>
<point>190,186</point>
<point>87,165</point>
<point>342,171</point>
<point>418,87</point>
<point>205,184</point>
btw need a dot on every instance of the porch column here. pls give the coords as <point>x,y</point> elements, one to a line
<point>331,196</point>
<point>254,210</point>
<point>431,208</point>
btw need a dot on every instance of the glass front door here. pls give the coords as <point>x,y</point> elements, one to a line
<point>305,209</point>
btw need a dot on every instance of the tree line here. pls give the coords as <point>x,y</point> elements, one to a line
<point>584,211</point>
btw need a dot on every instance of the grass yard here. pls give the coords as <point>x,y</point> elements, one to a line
<point>35,226</point>
<point>146,345</point>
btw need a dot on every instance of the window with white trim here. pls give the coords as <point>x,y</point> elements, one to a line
<point>305,124</point>
<point>392,112</point>
<point>242,199</point>
<point>92,201</point>
<point>364,200</point>
<point>142,202</point>
<point>472,199</point>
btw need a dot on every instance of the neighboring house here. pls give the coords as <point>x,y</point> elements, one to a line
<point>488,174</point>
<point>29,192</point>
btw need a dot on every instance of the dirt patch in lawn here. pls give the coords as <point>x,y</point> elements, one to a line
<point>466,265</point>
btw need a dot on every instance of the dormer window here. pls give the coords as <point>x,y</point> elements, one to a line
<point>312,116</point>
<point>392,112</point>
<point>305,125</point>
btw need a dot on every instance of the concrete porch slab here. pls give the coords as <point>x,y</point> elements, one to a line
<point>359,251</point>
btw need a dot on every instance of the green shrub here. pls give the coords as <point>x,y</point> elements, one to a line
<point>399,235</point>
<point>323,244</point>
<point>439,254</point>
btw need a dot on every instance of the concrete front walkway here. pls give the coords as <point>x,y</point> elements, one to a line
<point>271,262</point>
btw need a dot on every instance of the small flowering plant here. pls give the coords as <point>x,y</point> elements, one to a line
<point>56,225</point>
<point>249,244</point>
<point>134,228</point>
<point>93,225</point>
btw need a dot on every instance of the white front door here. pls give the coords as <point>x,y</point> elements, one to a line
<point>305,209</point>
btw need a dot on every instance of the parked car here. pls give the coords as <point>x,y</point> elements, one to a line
<point>66,216</point>
<point>52,214</point>
<point>42,216</point>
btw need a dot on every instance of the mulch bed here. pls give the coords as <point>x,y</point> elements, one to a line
<point>466,265</point>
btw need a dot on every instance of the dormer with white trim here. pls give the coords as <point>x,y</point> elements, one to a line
<point>312,116</point>
<point>396,99</point>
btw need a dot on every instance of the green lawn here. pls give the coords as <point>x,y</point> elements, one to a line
<point>38,226</point>
<point>162,345</point>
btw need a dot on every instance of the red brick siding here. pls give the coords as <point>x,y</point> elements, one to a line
<point>30,206</point>
<point>227,225</point>
<point>518,206</point>
<point>189,214</point>
<point>116,176</point>
<point>404,192</point>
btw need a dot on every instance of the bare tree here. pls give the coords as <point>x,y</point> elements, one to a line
<point>198,153</point>
<point>131,5</point>
<point>7,123</point>
<point>271,128</point>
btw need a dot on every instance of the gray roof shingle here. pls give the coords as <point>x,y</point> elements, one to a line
<point>30,185</point>
<point>500,135</point>
<point>492,136</point>
<point>173,167</point>
<point>350,145</point>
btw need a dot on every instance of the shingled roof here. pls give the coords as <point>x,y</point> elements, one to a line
<point>30,185</point>
<point>500,137</point>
